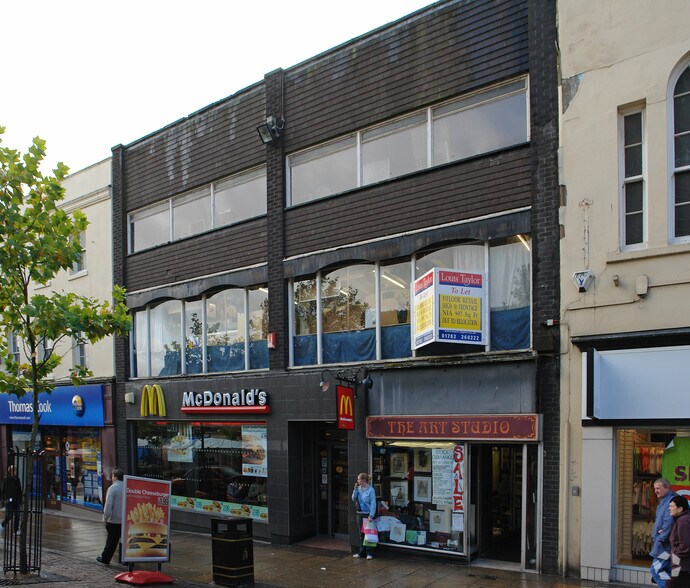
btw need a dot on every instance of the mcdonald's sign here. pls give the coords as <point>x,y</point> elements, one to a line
<point>152,401</point>
<point>346,407</point>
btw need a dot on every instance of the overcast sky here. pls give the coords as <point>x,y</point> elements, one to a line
<point>88,75</point>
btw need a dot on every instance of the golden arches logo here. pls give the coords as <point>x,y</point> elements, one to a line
<point>346,407</point>
<point>152,401</point>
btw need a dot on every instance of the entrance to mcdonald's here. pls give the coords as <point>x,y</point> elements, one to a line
<point>334,491</point>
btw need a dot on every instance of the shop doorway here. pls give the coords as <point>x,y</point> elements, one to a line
<point>334,487</point>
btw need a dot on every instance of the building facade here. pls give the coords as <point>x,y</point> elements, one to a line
<point>624,279</point>
<point>77,428</point>
<point>371,290</point>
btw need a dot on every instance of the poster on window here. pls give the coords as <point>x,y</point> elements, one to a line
<point>254,451</point>
<point>676,465</point>
<point>459,478</point>
<point>450,307</point>
<point>442,476</point>
<point>146,519</point>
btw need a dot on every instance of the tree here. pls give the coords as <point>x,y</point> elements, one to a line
<point>38,240</point>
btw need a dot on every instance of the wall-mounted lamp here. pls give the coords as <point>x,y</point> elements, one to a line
<point>271,130</point>
<point>358,377</point>
<point>129,397</point>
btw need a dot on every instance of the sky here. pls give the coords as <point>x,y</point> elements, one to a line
<point>88,75</point>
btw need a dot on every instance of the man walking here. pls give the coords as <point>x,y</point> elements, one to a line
<point>661,544</point>
<point>112,516</point>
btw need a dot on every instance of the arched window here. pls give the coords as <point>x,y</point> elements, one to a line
<point>681,155</point>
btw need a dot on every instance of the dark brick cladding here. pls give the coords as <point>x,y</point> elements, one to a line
<point>440,52</point>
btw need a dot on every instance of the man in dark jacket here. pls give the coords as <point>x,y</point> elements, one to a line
<point>661,546</point>
<point>11,493</point>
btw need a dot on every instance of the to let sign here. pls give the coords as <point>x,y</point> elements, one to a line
<point>346,407</point>
<point>483,427</point>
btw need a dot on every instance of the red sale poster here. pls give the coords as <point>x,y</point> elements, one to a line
<point>145,520</point>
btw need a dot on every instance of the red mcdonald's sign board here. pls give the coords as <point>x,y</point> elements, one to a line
<point>346,407</point>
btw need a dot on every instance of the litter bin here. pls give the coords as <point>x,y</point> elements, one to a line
<point>233,551</point>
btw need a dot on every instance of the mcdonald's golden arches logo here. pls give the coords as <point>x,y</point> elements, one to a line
<point>152,401</point>
<point>346,407</point>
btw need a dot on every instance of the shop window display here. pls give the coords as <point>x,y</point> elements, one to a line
<point>642,457</point>
<point>420,489</point>
<point>212,468</point>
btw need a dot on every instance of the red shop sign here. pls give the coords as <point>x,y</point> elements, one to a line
<point>523,427</point>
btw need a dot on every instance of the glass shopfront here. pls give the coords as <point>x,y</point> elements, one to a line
<point>213,467</point>
<point>643,456</point>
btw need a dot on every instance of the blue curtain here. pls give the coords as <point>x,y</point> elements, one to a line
<point>258,354</point>
<point>510,329</point>
<point>349,346</point>
<point>226,358</point>
<point>304,349</point>
<point>172,365</point>
<point>395,342</point>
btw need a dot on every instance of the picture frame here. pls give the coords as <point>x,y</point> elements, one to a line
<point>377,490</point>
<point>399,493</point>
<point>422,460</point>
<point>439,521</point>
<point>398,464</point>
<point>422,489</point>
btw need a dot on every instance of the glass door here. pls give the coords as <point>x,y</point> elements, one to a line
<point>532,514</point>
<point>335,488</point>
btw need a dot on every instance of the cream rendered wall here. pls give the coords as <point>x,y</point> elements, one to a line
<point>613,54</point>
<point>89,191</point>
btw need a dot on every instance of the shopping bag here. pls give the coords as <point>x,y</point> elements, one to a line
<point>371,533</point>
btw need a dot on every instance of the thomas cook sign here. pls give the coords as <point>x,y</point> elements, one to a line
<point>345,398</point>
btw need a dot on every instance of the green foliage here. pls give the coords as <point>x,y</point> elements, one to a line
<point>38,240</point>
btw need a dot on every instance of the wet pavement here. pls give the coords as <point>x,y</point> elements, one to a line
<point>72,542</point>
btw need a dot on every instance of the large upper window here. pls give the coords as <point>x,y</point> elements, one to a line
<point>633,179</point>
<point>471,125</point>
<point>681,161</point>
<point>229,201</point>
<point>362,312</point>
<point>222,332</point>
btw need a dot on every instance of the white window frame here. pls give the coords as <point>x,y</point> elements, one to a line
<point>78,268</point>
<point>515,86</point>
<point>673,80</point>
<point>79,351</point>
<point>624,181</point>
<point>242,177</point>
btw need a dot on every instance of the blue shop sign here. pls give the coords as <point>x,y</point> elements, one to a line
<point>79,406</point>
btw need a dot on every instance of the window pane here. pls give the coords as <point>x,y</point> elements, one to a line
<point>258,328</point>
<point>633,161</point>
<point>682,220</point>
<point>150,227</point>
<point>193,337</point>
<point>480,129</point>
<point>395,310</point>
<point>633,128</point>
<point>348,299</point>
<point>141,338</point>
<point>166,324</point>
<point>394,150</point>
<point>633,197</point>
<point>240,198</point>
<point>305,307</point>
<point>683,83</point>
<point>192,214</point>
<point>226,330</point>
<point>682,147</point>
<point>633,228</point>
<point>466,257</point>
<point>325,171</point>
<point>681,113</point>
<point>682,208</point>
<point>682,187</point>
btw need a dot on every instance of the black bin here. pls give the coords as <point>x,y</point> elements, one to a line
<point>233,551</point>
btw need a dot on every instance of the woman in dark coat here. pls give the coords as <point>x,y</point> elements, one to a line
<point>680,542</point>
<point>11,493</point>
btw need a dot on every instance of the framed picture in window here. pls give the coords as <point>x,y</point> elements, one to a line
<point>399,493</point>
<point>439,521</point>
<point>422,460</point>
<point>398,464</point>
<point>422,489</point>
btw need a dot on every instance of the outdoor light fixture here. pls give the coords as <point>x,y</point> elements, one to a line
<point>271,130</point>
<point>359,377</point>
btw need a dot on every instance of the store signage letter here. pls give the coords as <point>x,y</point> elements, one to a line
<point>152,401</point>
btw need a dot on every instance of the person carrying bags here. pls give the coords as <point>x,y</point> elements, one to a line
<point>364,495</point>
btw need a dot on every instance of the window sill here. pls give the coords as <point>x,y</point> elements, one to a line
<point>614,257</point>
<point>77,275</point>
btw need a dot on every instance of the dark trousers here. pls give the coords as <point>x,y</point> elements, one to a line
<point>363,550</point>
<point>113,530</point>
<point>12,514</point>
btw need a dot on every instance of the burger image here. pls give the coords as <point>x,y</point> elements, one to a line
<point>147,540</point>
<point>252,452</point>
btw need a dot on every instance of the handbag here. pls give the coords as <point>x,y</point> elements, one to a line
<point>371,533</point>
